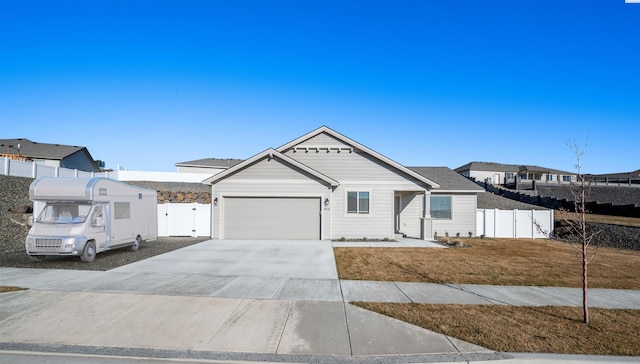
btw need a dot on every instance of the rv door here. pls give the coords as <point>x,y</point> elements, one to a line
<point>99,227</point>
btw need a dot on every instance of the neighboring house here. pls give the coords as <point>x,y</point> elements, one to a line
<point>495,173</point>
<point>207,165</point>
<point>504,174</point>
<point>54,155</point>
<point>324,185</point>
<point>624,177</point>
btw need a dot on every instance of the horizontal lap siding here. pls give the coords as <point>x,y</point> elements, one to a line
<point>378,224</point>
<point>271,169</point>
<point>464,216</point>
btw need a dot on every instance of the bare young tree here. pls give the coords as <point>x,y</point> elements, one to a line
<point>579,235</point>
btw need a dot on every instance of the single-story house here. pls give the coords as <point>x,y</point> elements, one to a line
<point>207,165</point>
<point>324,185</point>
<point>504,174</point>
<point>54,155</point>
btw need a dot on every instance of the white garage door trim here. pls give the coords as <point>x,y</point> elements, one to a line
<point>272,217</point>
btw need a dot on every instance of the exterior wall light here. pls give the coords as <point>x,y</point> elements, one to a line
<point>326,202</point>
<point>215,201</point>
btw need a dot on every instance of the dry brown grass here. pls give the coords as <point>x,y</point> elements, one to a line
<point>10,289</point>
<point>526,329</point>
<point>524,262</point>
<point>603,219</point>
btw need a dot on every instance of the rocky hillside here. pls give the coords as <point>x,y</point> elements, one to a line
<point>14,201</point>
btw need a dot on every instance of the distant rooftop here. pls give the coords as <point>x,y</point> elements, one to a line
<point>37,150</point>
<point>488,166</point>
<point>500,167</point>
<point>210,163</point>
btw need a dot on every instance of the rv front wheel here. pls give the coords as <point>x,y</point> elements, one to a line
<point>136,244</point>
<point>89,252</point>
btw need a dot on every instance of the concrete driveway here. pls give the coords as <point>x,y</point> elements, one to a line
<point>288,270</point>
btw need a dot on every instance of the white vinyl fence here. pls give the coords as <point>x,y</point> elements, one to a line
<point>30,169</point>
<point>533,224</point>
<point>184,219</point>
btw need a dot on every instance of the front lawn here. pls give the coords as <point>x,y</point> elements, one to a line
<point>523,262</point>
<point>556,330</point>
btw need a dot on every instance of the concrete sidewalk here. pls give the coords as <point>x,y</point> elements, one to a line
<point>145,282</point>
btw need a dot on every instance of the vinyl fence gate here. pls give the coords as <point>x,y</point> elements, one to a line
<point>184,219</point>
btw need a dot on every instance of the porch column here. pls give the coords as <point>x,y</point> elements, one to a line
<point>426,221</point>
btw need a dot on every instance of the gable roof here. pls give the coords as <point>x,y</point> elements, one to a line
<point>538,169</point>
<point>488,166</point>
<point>270,153</point>
<point>356,145</point>
<point>210,162</point>
<point>449,180</point>
<point>39,150</point>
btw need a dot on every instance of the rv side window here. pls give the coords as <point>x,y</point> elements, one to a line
<point>121,210</point>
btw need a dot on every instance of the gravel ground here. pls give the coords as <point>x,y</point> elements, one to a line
<point>104,261</point>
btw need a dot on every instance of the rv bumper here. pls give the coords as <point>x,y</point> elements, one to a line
<point>55,245</point>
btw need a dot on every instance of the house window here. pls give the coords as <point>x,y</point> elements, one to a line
<point>509,175</point>
<point>566,178</point>
<point>549,177</point>
<point>441,207</point>
<point>357,202</point>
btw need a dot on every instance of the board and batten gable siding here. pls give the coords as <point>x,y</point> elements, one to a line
<point>268,178</point>
<point>463,219</point>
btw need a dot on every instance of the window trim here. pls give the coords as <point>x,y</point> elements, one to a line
<point>450,207</point>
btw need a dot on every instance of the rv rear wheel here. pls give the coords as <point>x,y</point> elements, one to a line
<point>136,244</point>
<point>89,252</point>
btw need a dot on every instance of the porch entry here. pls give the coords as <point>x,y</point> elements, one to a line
<point>408,211</point>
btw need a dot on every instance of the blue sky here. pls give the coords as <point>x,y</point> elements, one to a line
<point>146,84</point>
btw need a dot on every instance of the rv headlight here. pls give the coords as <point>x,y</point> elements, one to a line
<point>30,240</point>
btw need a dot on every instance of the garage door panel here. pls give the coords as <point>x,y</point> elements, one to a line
<point>271,218</point>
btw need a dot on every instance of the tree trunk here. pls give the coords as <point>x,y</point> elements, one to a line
<point>585,307</point>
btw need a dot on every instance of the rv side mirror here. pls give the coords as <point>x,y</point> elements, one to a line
<point>31,220</point>
<point>98,221</point>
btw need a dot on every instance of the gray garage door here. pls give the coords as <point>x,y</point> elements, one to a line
<point>271,218</point>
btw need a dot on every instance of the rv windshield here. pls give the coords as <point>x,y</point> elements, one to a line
<point>64,213</point>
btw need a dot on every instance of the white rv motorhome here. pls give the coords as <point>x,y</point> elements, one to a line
<point>86,216</point>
